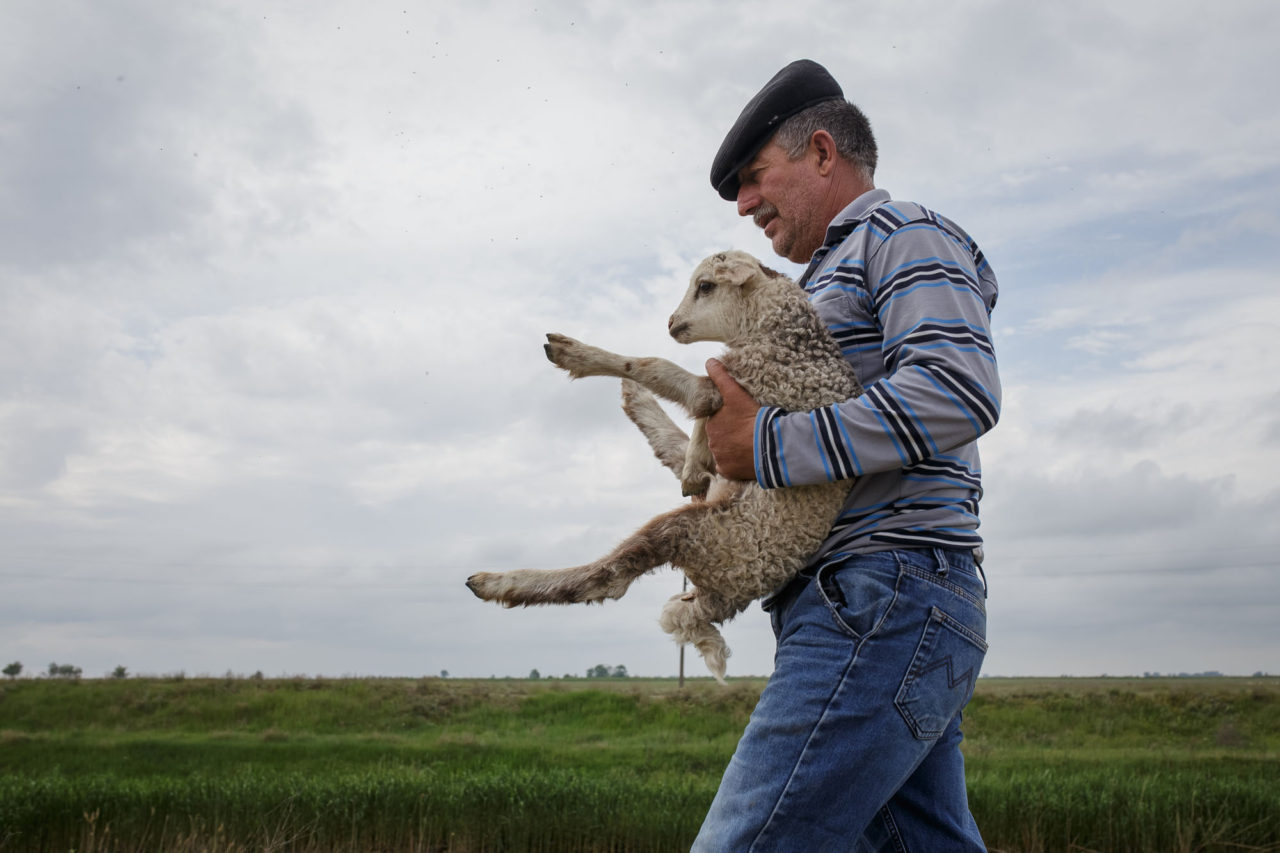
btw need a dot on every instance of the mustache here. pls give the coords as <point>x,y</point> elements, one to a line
<point>763,214</point>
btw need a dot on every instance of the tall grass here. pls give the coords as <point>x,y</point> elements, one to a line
<point>390,808</point>
<point>1127,806</point>
<point>432,765</point>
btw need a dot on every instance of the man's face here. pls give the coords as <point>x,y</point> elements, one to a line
<point>782,197</point>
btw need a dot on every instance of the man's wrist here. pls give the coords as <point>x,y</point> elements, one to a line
<point>769,470</point>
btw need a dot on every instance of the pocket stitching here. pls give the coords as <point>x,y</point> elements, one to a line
<point>938,619</point>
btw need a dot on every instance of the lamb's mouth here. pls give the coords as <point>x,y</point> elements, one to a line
<point>677,331</point>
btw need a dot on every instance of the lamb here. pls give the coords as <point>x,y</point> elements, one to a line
<point>736,541</point>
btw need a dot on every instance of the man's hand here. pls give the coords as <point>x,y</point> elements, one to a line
<point>731,430</point>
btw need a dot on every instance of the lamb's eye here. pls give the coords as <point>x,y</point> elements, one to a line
<point>705,287</point>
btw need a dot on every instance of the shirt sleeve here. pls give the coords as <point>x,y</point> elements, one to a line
<point>930,292</point>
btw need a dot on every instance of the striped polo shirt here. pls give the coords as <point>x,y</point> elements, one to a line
<point>908,296</point>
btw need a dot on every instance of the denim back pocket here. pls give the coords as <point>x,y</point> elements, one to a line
<point>941,677</point>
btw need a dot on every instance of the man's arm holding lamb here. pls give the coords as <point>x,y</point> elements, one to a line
<point>731,430</point>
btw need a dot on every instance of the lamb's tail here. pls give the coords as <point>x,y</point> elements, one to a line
<point>686,620</point>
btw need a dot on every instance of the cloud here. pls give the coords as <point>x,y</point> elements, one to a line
<point>118,142</point>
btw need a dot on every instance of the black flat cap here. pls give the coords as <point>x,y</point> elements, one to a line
<point>799,86</point>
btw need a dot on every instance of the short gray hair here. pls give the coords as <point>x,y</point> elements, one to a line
<point>845,122</point>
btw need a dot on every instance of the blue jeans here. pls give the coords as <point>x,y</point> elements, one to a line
<point>855,742</point>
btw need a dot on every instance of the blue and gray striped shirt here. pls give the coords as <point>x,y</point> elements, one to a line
<point>908,296</point>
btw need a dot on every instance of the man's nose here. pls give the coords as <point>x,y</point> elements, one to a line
<point>748,200</point>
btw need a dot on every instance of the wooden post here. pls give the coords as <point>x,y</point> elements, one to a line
<point>684,587</point>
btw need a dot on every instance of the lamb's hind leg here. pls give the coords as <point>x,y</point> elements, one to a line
<point>649,547</point>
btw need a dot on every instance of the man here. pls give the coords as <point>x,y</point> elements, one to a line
<point>854,744</point>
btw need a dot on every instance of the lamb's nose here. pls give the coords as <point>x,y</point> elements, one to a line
<point>671,321</point>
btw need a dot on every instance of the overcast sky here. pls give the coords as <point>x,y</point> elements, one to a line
<point>274,280</point>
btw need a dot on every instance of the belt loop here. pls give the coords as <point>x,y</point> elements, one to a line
<point>978,557</point>
<point>941,557</point>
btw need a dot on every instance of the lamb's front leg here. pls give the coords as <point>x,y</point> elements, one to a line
<point>669,442</point>
<point>699,465</point>
<point>697,394</point>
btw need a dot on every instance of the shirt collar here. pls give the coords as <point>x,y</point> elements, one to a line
<point>858,209</point>
<point>842,226</point>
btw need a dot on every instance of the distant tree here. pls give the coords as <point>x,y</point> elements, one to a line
<point>598,671</point>
<point>64,670</point>
<point>13,670</point>
<point>619,671</point>
<point>444,673</point>
<point>120,672</point>
<point>533,673</point>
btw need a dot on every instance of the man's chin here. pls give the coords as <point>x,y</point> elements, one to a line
<point>786,249</point>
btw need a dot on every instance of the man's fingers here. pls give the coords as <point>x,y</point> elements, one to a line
<point>725,384</point>
<point>717,373</point>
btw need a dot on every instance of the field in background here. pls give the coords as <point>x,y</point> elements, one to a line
<point>591,765</point>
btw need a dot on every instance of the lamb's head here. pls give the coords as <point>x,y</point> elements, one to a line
<point>719,303</point>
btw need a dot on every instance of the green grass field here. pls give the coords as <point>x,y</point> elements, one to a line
<point>591,765</point>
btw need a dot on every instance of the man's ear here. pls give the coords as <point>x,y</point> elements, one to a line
<point>824,148</point>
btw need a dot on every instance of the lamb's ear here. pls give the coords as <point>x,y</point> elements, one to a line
<point>735,268</point>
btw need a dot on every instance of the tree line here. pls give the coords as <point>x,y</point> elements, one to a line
<point>597,671</point>
<point>66,670</point>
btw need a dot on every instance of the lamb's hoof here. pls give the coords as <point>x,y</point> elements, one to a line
<point>555,345</point>
<point>482,584</point>
<point>576,358</point>
<point>697,486</point>
<point>559,350</point>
